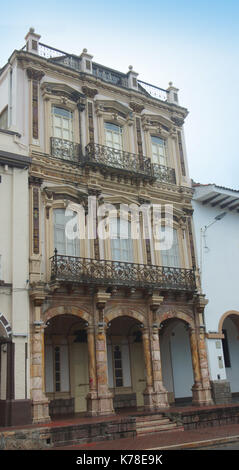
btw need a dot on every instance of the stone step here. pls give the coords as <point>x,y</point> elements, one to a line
<point>150,418</point>
<point>156,422</point>
<point>154,429</point>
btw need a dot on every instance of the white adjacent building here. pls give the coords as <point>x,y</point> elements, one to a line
<point>14,280</point>
<point>216,221</point>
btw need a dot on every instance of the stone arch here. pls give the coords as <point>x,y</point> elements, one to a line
<point>67,309</point>
<point>223,318</point>
<point>113,313</point>
<point>5,327</point>
<point>177,315</point>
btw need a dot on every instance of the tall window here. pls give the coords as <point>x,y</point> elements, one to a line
<point>159,153</point>
<point>118,367</point>
<point>225,347</point>
<point>57,368</point>
<point>120,239</point>
<point>113,136</point>
<point>62,123</point>
<point>171,257</point>
<point>64,244</point>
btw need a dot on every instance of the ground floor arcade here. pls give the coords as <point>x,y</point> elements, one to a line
<point>119,355</point>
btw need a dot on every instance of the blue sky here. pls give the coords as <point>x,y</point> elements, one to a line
<point>193,44</point>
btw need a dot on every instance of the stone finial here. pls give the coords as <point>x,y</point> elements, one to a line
<point>132,78</point>
<point>32,41</point>
<point>172,93</point>
<point>86,61</point>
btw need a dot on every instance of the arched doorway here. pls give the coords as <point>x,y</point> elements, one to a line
<point>229,326</point>
<point>66,364</point>
<point>177,369</point>
<point>126,369</point>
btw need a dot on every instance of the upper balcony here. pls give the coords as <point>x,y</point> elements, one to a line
<point>111,159</point>
<point>92,272</point>
<point>65,150</point>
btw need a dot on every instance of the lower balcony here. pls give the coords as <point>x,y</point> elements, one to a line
<point>65,150</point>
<point>116,273</point>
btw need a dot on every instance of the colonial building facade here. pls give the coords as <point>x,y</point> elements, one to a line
<point>216,226</point>
<point>114,321</point>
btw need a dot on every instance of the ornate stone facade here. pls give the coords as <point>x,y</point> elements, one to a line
<point>97,322</point>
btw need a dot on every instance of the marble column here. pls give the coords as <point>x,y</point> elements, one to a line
<point>206,396</point>
<point>40,403</point>
<point>148,392</point>
<point>92,397</point>
<point>197,386</point>
<point>105,397</point>
<point>160,395</point>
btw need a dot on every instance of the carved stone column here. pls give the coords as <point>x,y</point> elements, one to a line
<point>92,397</point>
<point>40,403</point>
<point>105,397</point>
<point>148,393</point>
<point>197,387</point>
<point>206,396</point>
<point>160,395</point>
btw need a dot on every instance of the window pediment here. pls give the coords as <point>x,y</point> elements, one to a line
<point>61,90</point>
<point>113,107</point>
<point>157,123</point>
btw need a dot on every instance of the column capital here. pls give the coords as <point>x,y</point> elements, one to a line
<point>201,303</point>
<point>155,301</point>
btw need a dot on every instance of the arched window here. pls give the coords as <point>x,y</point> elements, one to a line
<point>66,242</point>
<point>120,239</point>
<point>159,153</point>
<point>113,136</point>
<point>171,257</point>
<point>62,123</point>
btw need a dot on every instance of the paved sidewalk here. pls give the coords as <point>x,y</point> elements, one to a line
<point>167,440</point>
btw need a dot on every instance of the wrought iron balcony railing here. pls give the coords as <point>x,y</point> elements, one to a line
<point>107,157</point>
<point>106,74</point>
<point>65,149</point>
<point>117,273</point>
<point>164,173</point>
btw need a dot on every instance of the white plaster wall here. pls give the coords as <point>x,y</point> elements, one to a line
<point>14,248</point>
<point>220,262</point>
<point>214,353</point>
<point>219,275</point>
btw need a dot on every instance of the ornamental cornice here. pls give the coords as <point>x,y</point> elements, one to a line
<point>27,59</point>
<point>34,74</point>
<point>136,107</point>
<point>89,92</point>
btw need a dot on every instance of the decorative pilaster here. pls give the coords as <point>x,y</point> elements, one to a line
<point>34,77</point>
